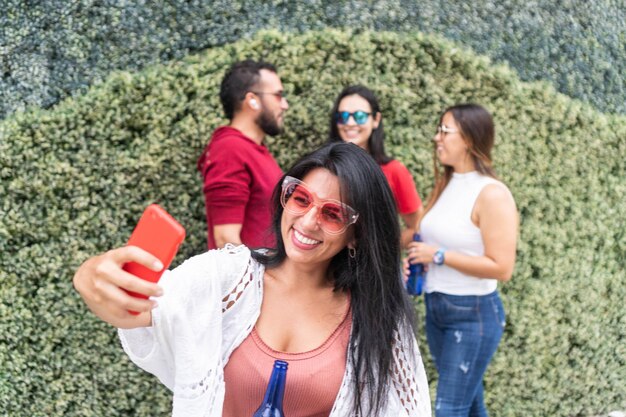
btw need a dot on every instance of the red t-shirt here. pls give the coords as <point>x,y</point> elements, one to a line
<point>402,186</point>
<point>239,179</point>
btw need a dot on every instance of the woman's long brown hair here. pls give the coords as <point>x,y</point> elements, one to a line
<point>476,128</point>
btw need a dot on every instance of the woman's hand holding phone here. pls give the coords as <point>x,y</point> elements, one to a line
<point>117,284</point>
<point>103,284</point>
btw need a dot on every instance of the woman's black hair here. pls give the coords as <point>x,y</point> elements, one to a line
<point>376,142</point>
<point>380,305</point>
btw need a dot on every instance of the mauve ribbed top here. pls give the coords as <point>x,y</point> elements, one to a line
<point>313,377</point>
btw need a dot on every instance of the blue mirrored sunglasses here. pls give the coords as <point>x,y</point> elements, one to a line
<point>360,117</point>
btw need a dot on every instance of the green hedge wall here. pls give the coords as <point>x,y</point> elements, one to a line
<point>51,49</point>
<point>74,180</point>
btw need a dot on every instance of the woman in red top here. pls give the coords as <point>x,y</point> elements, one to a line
<point>356,118</point>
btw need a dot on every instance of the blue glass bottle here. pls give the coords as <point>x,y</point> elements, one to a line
<point>272,405</point>
<point>417,274</point>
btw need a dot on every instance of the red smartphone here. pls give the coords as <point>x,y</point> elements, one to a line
<point>158,233</point>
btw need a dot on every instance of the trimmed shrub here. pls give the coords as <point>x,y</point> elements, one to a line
<point>53,49</point>
<point>74,181</point>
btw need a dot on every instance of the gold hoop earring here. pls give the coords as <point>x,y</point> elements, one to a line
<point>352,252</point>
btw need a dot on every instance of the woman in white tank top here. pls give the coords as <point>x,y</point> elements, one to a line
<point>469,233</point>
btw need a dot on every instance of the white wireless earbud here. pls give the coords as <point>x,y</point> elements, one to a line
<point>254,104</point>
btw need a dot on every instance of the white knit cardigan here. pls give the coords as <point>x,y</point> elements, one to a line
<point>210,305</point>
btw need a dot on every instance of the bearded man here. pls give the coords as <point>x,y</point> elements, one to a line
<point>239,171</point>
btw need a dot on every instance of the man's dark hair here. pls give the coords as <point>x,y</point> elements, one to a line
<point>240,78</point>
<point>380,306</point>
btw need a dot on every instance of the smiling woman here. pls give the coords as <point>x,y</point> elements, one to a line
<point>334,216</point>
<point>356,118</point>
<point>327,299</point>
<point>469,232</point>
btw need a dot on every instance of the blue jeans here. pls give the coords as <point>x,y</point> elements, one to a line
<point>463,333</point>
